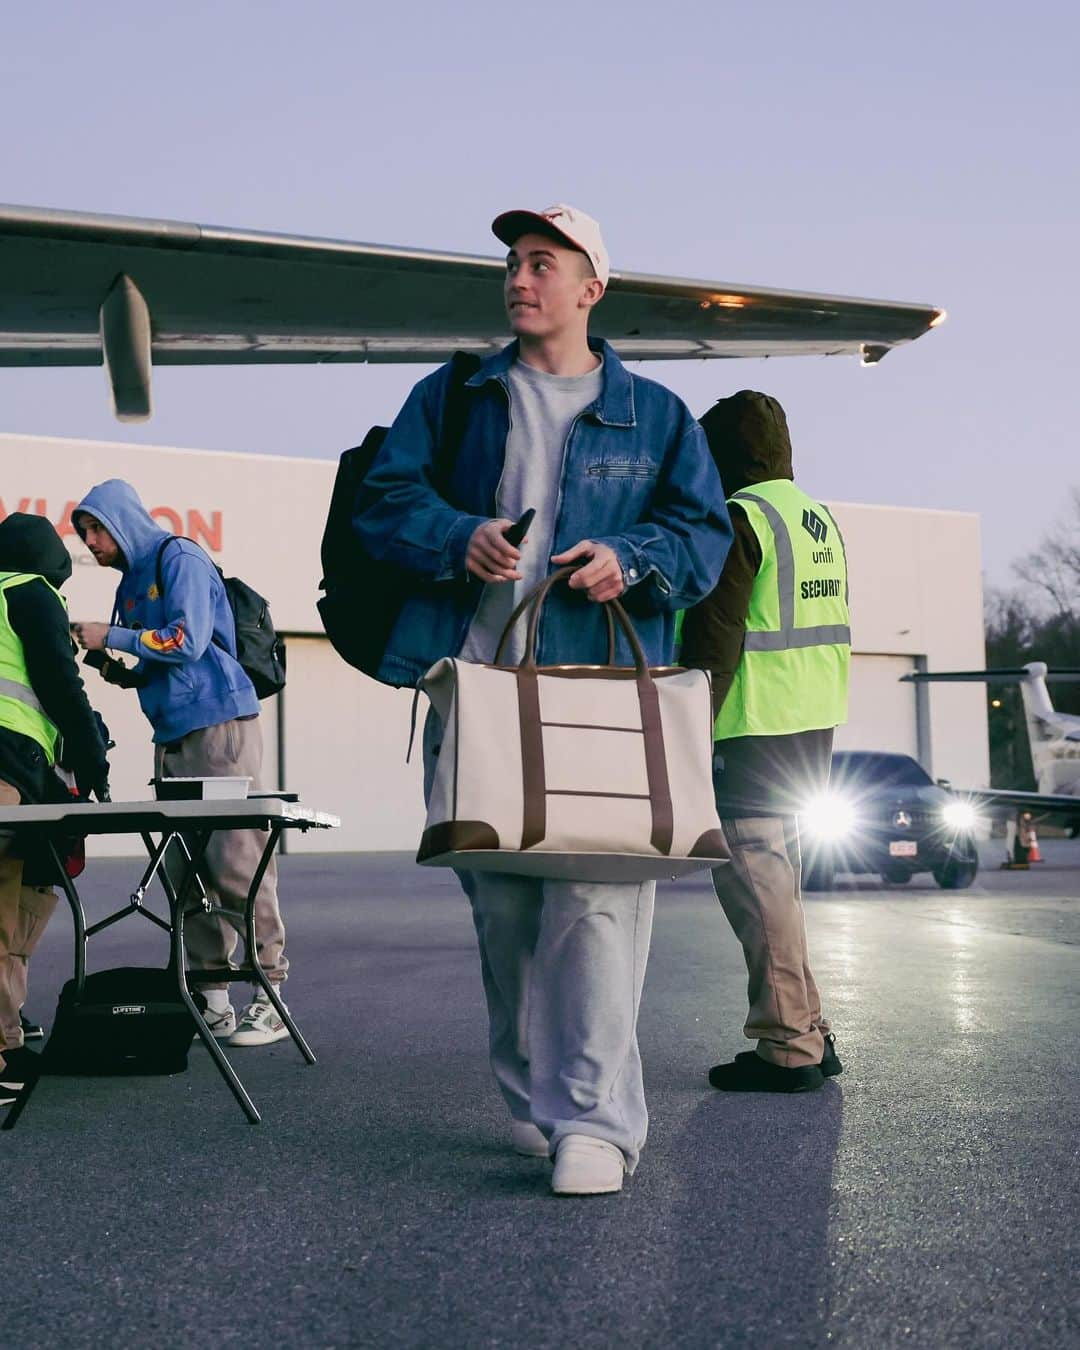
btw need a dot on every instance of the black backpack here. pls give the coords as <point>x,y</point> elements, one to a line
<point>130,1020</point>
<point>259,649</point>
<point>363,596</point>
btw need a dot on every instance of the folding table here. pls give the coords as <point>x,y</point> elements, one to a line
<point>181,829</point>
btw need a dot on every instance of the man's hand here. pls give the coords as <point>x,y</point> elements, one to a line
<point>91,636</point>
<point>489,556</point>
<point>601,578</point>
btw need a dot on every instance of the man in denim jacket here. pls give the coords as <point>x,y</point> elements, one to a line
<point>622,483</point>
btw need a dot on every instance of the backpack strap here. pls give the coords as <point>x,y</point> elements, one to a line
<point>455,416</point>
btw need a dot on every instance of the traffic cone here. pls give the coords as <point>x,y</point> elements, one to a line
<point>1033,846</point>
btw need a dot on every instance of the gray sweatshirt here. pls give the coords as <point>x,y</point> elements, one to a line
<point>542,410</point>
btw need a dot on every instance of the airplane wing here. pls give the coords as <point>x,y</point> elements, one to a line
<point>1004,801</point>
<point>77,288</point>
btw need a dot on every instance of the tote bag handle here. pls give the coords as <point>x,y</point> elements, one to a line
<point>534,602</point>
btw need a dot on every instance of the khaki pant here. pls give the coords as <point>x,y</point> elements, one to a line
<point>761,892</point>
<point>24,912</point>
<point>227,750</point>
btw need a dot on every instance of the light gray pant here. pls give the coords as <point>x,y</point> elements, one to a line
<point>231,749</point>
<point>563,965</point>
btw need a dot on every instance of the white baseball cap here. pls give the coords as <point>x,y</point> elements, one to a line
<point>579,230</point>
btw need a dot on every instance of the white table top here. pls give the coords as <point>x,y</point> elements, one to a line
<point>87,818</point>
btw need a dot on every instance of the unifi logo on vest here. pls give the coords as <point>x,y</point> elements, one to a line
<point>814,526</point>
<point>207,532</point>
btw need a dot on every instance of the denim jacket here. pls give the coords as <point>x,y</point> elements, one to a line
<point>637,475</point>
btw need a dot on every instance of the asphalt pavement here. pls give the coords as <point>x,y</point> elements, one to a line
<point>927,1197</point>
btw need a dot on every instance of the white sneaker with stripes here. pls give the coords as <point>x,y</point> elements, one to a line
<point>259,1025</point>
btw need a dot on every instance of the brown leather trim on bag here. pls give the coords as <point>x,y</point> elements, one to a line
<point>712,844</point>
<point>602,672</point>
<point>533,777</point>
<point>456,836</point>
<point>593,726</point>
<point>663,814</point>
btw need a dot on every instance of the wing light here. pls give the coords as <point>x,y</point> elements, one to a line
<point>724,302</point>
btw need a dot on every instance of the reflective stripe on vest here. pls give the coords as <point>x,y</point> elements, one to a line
<point>792,675</point>
<point>20,708</point>
<point>789,636</point>
<point>21,692</point>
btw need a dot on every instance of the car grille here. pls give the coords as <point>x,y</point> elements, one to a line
<point>883,817</point>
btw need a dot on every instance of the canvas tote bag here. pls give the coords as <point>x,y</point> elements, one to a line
<point>585,773</point>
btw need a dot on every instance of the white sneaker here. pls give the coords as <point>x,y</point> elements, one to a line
<point>587,1166</point>
<point>259,1025</point>
<point>221,1024</point>
<point>527,1140</point>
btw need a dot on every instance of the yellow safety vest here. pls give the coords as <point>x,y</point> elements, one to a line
<point>793,672</point>
<point>19,707</point>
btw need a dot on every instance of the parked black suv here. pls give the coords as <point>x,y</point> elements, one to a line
<point>884,813</point>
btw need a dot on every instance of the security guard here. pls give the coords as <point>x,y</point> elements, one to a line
<point>775,634</point>
<point>42,701</point>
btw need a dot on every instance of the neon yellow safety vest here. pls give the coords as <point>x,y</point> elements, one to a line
<point>793,672</point>
<point>19,707</point>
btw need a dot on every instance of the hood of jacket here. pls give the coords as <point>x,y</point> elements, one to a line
<point>749,440</point>
<point>31,544</point>
<point>116,504</point>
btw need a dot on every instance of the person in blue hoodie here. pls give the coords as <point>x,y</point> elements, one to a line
<point>205,715</point>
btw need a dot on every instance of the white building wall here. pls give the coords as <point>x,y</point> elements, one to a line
<point>916,593</point>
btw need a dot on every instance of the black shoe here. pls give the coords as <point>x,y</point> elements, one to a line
<point>750,1073</point>
<point>830,1064</point>
<point>830,1060</point>
<point>30,1030</point>
<point>20,1066</point>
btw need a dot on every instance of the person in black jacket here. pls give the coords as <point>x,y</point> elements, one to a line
<point>44,716</point>
<point>763,775</point>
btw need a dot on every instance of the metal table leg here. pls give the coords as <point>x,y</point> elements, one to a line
<point>77,915</point>
<point>253,950</point>
<point>177,902</point>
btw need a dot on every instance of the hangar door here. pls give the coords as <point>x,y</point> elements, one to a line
<point>881,710</point>
<point>345,739</point>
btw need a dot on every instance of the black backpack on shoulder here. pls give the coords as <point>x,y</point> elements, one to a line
<point>259,649</point>
<point>363,596</point>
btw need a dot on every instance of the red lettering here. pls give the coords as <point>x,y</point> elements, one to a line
<point>171,517</point>
<point>24,505</point>
<point>210,534</point>
<point>64,526</point>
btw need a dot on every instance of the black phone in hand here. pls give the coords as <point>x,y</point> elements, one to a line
<point>517,532</point>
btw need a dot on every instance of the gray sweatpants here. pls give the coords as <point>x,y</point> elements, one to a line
<point>231,749</point>
<point>563,965</point>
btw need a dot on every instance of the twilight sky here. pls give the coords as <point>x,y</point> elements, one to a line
<point>922,152</point>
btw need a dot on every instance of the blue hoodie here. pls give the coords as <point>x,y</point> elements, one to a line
<point>185,639</point>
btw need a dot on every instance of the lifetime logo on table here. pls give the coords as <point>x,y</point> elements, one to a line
<point>129,1009</point>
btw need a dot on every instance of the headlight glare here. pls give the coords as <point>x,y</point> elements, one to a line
<point>959,815</point>
<point>828,817</point>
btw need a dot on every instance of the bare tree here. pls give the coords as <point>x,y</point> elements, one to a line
<point>1054,567</point>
